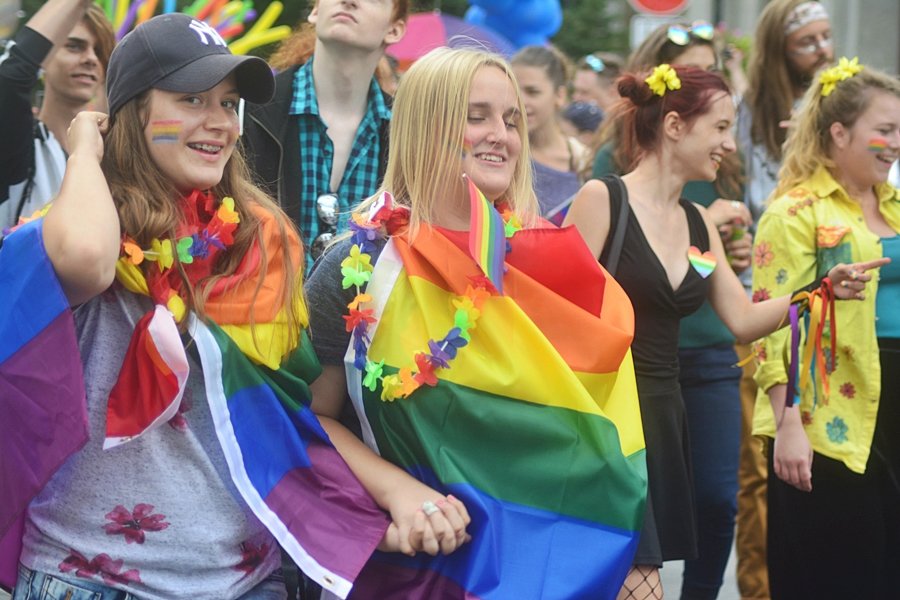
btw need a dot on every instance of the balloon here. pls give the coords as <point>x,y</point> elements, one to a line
<point>494,6</point>
<point>524,22</point>
<point>475,15</point>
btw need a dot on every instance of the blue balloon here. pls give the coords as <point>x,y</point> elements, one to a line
<point>494,6</point>
<point>526,38</point>
<point>476,16</point>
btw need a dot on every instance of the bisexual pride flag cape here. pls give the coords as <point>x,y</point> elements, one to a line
<point>535,425</point>
<point>279,457</point>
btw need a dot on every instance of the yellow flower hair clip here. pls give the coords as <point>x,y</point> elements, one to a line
<point>845,69</point>
<point>662,79</point>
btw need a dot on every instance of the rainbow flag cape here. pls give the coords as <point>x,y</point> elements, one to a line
<point>279,457</point>
<point>42,396</point>
<point>283,463</point>
<point>535,425</point>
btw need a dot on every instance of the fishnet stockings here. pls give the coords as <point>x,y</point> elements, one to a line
<point>642,583</point>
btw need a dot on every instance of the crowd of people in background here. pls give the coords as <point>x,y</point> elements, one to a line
<point>490,327</point>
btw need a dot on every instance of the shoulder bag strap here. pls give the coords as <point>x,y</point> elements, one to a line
<point>615,250</point>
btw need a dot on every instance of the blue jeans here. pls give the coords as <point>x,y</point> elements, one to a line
<point>710,385</point>
<point>34,585</point>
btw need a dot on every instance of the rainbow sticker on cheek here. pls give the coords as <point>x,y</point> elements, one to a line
<point>165,132</point>
<point>878,145</point>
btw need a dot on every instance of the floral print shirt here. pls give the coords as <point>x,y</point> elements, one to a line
<point>802,235</point>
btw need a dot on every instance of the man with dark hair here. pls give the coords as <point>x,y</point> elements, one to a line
<point>792,42</point>
<point>321,145</point>
<point>71,40</point>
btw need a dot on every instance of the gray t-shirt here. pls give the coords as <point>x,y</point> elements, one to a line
<point>328,300</point>
<point>158,516</point>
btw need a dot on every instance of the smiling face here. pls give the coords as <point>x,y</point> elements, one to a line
<point>708,139</point>
<point>864,152</point>
<point>72,71</point>
<point>365,24</point>
<point>542,101</point>
<point>191,136</point>
<point>492,139</point>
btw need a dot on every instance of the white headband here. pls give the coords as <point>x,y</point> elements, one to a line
<point>804,14</point>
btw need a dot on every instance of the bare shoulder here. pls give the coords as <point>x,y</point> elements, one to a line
<point>589,213</point>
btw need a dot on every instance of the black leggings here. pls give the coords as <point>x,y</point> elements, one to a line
<point>842,540</point>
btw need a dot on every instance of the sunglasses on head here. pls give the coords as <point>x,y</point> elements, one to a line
<point>595,63</point>
<point>327,211</point>
<point>681,35</point>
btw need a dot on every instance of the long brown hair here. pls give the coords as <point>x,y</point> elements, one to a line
<point>770,95</point>
<point>148,207</point>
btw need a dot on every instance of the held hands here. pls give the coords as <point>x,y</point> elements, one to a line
<point>85,133</point>
<point>442,529</point>
<point>850,280</point>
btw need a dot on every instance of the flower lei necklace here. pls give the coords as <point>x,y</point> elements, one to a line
<point>384,220</point>
<point>208,229</point>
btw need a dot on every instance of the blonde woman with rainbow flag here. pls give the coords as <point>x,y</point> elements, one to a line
<point>486,354</point>
<point>833,417</point>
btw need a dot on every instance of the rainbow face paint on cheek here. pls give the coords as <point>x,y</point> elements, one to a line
<point>467,147</point>
<point>878,144</point>
<point>165,132</point>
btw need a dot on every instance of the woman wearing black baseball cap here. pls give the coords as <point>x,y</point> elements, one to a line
<point>176,368</point>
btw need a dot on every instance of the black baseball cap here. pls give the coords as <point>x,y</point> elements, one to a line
<point>177,53</point>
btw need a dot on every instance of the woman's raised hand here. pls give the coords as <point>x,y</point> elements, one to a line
<point>85,133</point>
<point>849,280</point>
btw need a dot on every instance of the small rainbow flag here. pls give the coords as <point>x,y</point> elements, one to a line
<point>878,144</point>
<point>165,132</point>
<point>487,236</point>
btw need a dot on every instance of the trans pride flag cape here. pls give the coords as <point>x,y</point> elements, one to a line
<point>535,425</point>
<point>279,456</point>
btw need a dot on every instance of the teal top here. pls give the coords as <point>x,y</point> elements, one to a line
<point>703,328</point>
<point>887,302</point>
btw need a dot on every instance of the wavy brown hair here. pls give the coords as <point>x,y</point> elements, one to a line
<point>770,96</point>
<point>102,30</point>
<point>149,207</point>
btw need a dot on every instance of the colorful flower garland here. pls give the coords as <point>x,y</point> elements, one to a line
<point>197,246</point>
<point>384,220</point>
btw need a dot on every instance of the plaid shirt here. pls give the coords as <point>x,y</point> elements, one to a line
<point>361,174</point>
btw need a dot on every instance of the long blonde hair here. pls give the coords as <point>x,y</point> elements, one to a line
<point>148,207</point>
<point>809,142</point>
<point>429,119</point>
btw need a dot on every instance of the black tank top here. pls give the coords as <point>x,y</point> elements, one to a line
<point>657,307</point>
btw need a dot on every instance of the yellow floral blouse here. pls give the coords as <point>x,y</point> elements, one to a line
<point>801,236</point>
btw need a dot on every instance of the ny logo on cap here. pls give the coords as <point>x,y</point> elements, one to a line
<point>203,30</point>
